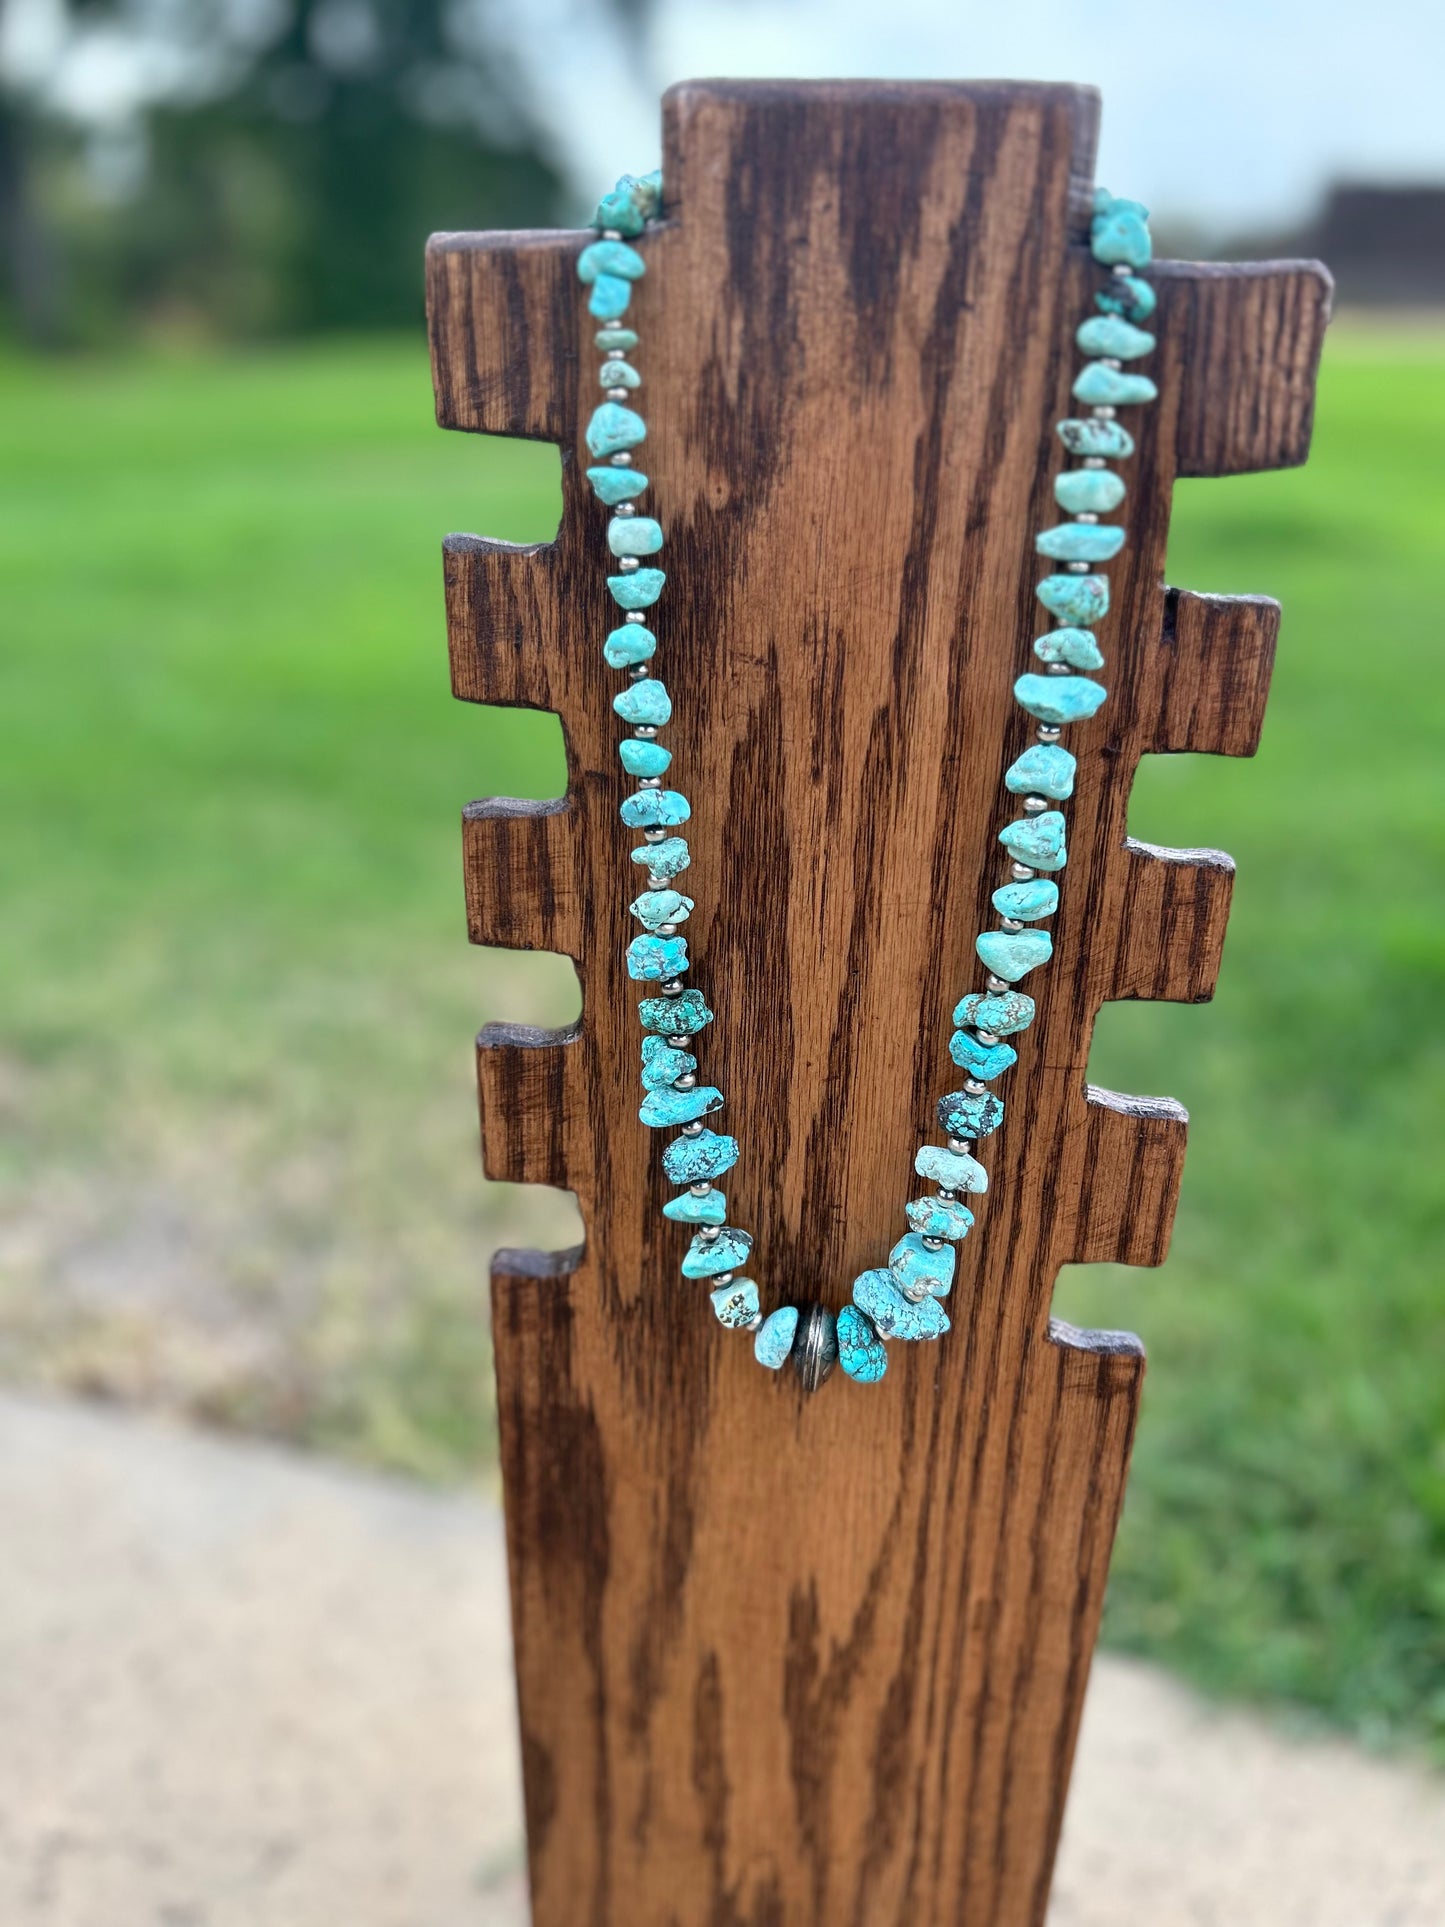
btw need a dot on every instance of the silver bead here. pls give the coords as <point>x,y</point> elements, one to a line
<point>974,1087</point>
<point>658,882</point>
<point>672,988</point>
<point>649,782</point>
<point>709,1233</point>
<point>755,1323</point>
<point>1033,805</point>
<point>612,234</point>
<point>961,1146</point>
<point>1122,269</point>
<point>695,1129</point>
<point>616,394</point>
<point>996,984</point>
<point>687,1082</point>
<point>1048,732</point>
<point>1020,872</point>
<point>627,563</point>
<point>1094,461</point>
<point>1084,515</point>
<point>1108,361</point>
<point>722,1278</point>
<point>1104,412</point>
<point>914,1292</point>
<point>622,459</point>
<point>645,732</point>
<point>815,1347</point>
<point>625,509</point>
<point>639,672</point>
<point>1074,568</point>
<point>1011,923</point>
<point>654,836</point>
<point>933,1244</point>
<point>987,1038</point>
<point>636,615</point>
<point>943,1189</point>
<point>1059,669</point>
<point>699,1190</point>
<point>667,930</point>
<point>680,1041</point>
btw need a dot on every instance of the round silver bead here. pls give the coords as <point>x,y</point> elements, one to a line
<point>1108,361</point>
<point>687,1082</point>
<point>987,1038</point>
<point>624,509</point>
<point>755,1323</point>
<point>933,1244</point>
<point>680,1041</point>
<point>1011,923</point>
<point>943,1190</point>
<point>622,459</point>
<point>699,1190</point>
<point>1122,270</point>
<point>656,882</point>
<point>1033,805</point>
<point>815,1347</point>
<point>914,1292</point>
<point>709,1233</point>
<point>996,984</point>
<point>961,1146</point>
<point>1059,669</point>
<point>636,615</point>
<point>1020,872</point>
<point>1105,412</point>
<point>612,234</point>
<point>654,836</point>
<point>1094,461</point>
<point>1074,568</point>
<point>672,988</point>
<point>722,1278</point>
<point>974,1087</point>
<point>627,563</point>
<point>645,732</point>
<point>616,394</point>
<point>649,782</point>
<point>667,930</point>
<point>1048,732</point>
<point>1084,515</point>
<point>695,1129</point>
<point>639,672</point>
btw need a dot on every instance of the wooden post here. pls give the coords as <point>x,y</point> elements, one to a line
<point>786,1660</point>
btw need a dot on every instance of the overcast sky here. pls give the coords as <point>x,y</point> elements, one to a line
<point>1232,113</point>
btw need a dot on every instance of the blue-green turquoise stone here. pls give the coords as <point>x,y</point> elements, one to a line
<point>610,297</point>
<point>629,645</point>
<point>912,1263</point>
<point>951,1170</point>
<point>962,1114</point>
<point>611,340</point>
<point>661,906</point>
<point>614,427</point>
<point>940,1218</point>
<point>1100,387</point>
<point>983,1061</point>
<point>664,1063</point>
<point>645,702</point>
<point>656,959</point>
<point>1080,542</point>
<point>654,810</point>
<point>861,1352</point>
<point>618,374</point>
<point>682,1016</point>
<point>1044,769</point>
<point>1127,295</point>
<point>1110,334</point>
<point>775,1337</point>
<point>1038,841</point>
<point>1059,699</point>
<point>642,758</point>
<point>1088,491</point>
<point>646,191</point>
<point>1080,600</point>
<point>695,1160</point>
<point>706,1257</point>
<point>1118,233</point>
<point>1027,902</point>
<point>662,1108</point>
<point>613,485</point>
<point>1075,647</point>
<point>736,1304</point>
<point>638,590</point>
<point>1001,1013</point>
<point>609,257</point>
<point>636,535</point>
<point>1104,438</point>
<point>669,858</point>
<point>688,1208</point>
<point>621,209</point>
<point>876,1294</point>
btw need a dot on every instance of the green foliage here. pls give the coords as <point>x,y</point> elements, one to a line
<point>240,1156</point>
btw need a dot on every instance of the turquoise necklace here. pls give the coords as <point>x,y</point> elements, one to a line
<point>904,1298</point>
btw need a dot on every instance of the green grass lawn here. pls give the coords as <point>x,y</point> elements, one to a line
<point>240,1171</point>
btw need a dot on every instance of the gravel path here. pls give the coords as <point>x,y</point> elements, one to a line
<point>241,1689</point>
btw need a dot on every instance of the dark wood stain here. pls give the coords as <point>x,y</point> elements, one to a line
<point>788,1662</point>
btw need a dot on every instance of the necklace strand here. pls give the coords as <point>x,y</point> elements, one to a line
<point>902,1299</point>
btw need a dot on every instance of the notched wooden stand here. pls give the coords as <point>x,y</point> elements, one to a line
<point>787,1661</point>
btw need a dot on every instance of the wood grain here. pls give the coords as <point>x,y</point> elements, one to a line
<point>790,1661</point>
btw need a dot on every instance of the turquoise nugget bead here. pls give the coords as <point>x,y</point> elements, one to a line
<point>912,1263</point>
<point>877,1295</point>
<point>1037,841</point>
<point>612,485</point>
<point>1088,491</point>
<point>694,1160</point>
<point>637,591</point>
<point>1110,334</point>
<point>634,535</point>
<point>1076,647</point>
<point>983,1061</point>
<point>736,1304</point>
<point>641,758</point>
<point>775,1337</point>
<point>656,959</point>
<point>644,702</point>
<point>1027,902</point>
<point>621,209</point>
<point>682,1016</point>
<point>654,810</point>
<point>615,339</point>
<point>1059,699</point>
<point>706,1257</point>
<point>1101,387</point>
<point>613,428</point>
<point>1104,438</point>
<point>688,1208</point>
<point>666,859</point>
<point>662,1108</point>
<point>661,906</point>
<point>940,1218</point>
<point>1080,542</point>
<point>609,257</point>
<point>1078,599</point>
<point>963,1115</point>
<point>1000,1012</point>
<point>646,190</point>
<point>1118,235</point>
<point>618,374</point>
<point>664,1063</point>
<point>629,645</point>
<point>609,297</point>
<point>861,1352</point>
<point>951,1170</point>
<point>1043,770</point>
<point>1127,295</point>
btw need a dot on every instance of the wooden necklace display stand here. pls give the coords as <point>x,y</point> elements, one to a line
<point>819,1662</point>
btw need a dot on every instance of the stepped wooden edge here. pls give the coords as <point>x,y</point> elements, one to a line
<point>787,1662</point>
